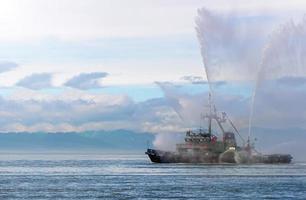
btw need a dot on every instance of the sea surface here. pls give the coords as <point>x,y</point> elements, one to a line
<point>100,176</point>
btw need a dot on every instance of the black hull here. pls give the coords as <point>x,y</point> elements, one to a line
<point>157,156</point>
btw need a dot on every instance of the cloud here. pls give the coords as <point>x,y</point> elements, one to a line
<point>71,110</point>
<point>201,81</point>
<point>7,66</point>
<point>190,107</point>
<point>280,103</point>
<point>235,42</point>
<point>292,81</point>
<point>194,79</point>
<point>77,110</point>
<point>86,81</point>
<point>126,56</point>
<point>116,19</point>
<point>36,81</point>
<point>277,106</point>
<point>97,19</point>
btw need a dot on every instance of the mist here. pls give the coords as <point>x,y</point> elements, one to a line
<point>168,141</point>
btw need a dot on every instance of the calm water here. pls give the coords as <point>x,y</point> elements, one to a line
<point>94,176</point>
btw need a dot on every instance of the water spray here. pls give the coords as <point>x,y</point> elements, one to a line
<point>285,48</point>
<point>203,46</point>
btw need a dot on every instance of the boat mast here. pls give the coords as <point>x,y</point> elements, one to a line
<point>210,115</point>
<point>213,116</point>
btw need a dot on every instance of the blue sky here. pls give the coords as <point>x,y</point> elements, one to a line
<point>91,65</point>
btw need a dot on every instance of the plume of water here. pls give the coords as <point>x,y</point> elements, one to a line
<point>259,78</point>
<point>227,46</point>
<point>284,55</point>
<point>202,23</point>
<point>213,34</point>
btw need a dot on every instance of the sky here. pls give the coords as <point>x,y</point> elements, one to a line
<point>139,65</point>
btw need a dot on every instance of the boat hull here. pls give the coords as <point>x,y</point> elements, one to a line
<point>158,156</point>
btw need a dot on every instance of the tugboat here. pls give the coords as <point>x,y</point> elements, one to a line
<point>202,146</point>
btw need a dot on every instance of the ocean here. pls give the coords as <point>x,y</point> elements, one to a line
<point>133,176</point>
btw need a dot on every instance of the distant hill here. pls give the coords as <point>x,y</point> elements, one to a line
<point>268,141</point>
<point>91,140</point>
